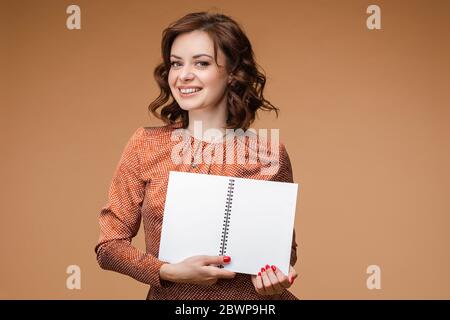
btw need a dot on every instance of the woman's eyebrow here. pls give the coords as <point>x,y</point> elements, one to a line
<point>196,56</point>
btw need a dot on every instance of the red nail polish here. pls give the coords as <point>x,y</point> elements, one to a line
<point>274,268</point>
<point>267,267</point>
<point>226,259</point>
<point>291,280</point>
<point>259,273</point>
<point>262,269</point>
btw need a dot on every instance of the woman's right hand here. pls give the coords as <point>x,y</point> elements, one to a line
<point>197,270</point>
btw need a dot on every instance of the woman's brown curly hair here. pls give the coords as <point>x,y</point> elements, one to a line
<point>245,91</point>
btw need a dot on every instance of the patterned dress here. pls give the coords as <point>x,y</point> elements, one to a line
<point>138,192</point>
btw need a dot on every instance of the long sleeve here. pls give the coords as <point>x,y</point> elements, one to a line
<point>284,174</point>
<point>120,220</point>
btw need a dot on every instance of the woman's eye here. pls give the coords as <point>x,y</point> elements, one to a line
<point>203,63</point>
<point>200,63</point>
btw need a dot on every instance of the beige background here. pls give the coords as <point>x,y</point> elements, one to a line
<point>365,118</point>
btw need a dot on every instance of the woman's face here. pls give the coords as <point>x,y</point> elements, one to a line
<point>195,80</point>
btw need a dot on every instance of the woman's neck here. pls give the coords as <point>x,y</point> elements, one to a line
<point>204,125</point>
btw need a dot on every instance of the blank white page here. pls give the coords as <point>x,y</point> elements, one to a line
<point>261,225</point>
<point>193,216</point>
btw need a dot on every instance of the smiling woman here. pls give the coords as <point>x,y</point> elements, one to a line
<point>210,77</point>
<point>209,52</point>
<point>198,84</point>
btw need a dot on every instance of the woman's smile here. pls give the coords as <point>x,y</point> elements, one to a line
<point>186,92</point>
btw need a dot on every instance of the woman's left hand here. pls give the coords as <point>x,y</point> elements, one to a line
<point>270,280</point>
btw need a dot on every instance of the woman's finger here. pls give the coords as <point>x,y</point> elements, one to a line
<point>292,274</point>
<point>259,286</point>
<point>282,278</point>
<point>277,287</point>
<point>266,282</point>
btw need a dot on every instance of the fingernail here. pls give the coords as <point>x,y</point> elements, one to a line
<point>259,273</point>
<point>267,267</point>
<point>226,259</point>
<point>262,269</point>
<point>274,268</point>
<point>291,280</point>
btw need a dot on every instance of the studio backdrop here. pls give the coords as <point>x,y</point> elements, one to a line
<point>363,92</point>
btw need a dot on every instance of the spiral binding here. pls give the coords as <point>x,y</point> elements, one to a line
<point>226,218</point>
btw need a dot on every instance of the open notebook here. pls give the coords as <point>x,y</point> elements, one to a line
<point>249,220</point>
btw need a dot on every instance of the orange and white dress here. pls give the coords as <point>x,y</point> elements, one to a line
<point>138,192</point>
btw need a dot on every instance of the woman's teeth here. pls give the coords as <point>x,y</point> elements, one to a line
<point>190,90</point>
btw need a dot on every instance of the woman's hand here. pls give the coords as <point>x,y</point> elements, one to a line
<point>270,280</point>
<point>197,270</point>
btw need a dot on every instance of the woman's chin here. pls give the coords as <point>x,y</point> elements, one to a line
<point>190,107</point>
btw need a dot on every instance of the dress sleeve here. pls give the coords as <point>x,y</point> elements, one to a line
<point>284,174</point>
<point>120,220</point>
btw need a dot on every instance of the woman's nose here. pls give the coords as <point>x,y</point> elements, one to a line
<point>186,74</point>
